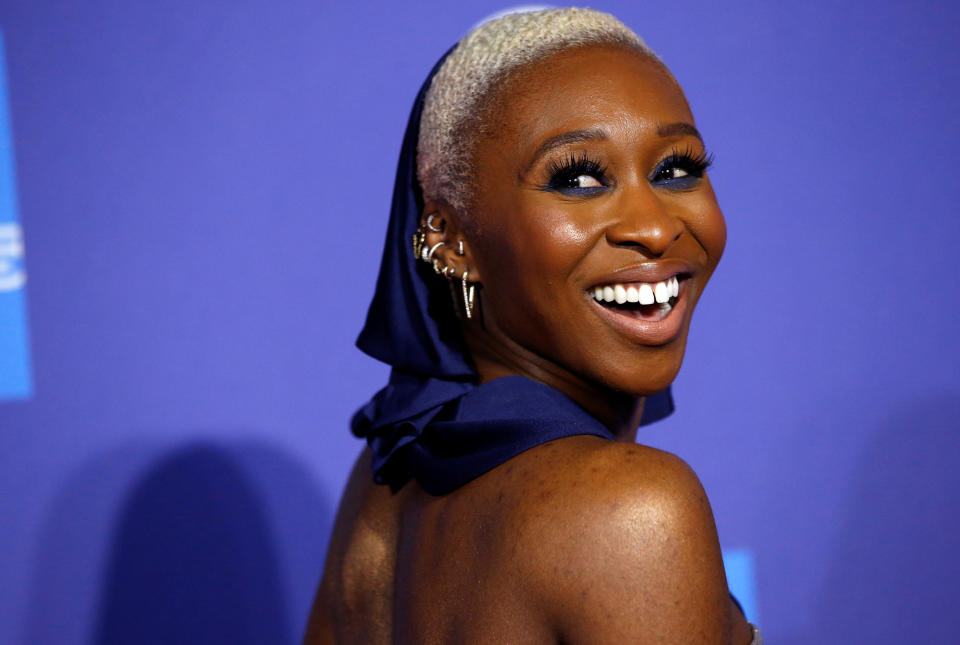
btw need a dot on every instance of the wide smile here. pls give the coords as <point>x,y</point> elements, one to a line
<point>648,313</point>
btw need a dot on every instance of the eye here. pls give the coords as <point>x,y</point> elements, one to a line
<point>682,169</point>
<point>582,181</point>
<point>671,172</point>
<point>577,175</point>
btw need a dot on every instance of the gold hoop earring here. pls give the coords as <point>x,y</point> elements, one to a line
<point>419,240</point>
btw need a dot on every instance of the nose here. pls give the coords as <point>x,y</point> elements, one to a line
<point>645,221</point>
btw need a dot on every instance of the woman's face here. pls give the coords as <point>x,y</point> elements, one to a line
<point>591,184</point>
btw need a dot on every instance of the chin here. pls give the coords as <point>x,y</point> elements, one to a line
<point>645,376</point>
<point>647,384</point>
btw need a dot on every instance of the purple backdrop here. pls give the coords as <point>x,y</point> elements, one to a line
<point>203,190</point>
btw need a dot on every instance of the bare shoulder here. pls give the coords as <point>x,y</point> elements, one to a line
<point>610,482</point>
<point>619,545</point>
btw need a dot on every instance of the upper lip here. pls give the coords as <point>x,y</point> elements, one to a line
<point>653,271</point>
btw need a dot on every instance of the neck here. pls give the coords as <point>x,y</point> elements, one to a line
<point>618,411</point>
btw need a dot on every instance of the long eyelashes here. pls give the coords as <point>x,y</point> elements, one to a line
<point>686,164</point>
<point>566,174</point>
<point>579,174</point>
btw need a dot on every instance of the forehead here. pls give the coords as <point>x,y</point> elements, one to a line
<point>584,87</point>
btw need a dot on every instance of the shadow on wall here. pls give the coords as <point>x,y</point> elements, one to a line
<point>212,544</point>
<point>898,546</point>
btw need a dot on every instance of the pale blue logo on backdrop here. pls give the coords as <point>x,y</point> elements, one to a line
<point>15,380</point>
<point>740,579</point>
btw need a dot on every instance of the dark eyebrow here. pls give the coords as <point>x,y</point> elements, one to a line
<point>565,139</point>
<point>678,129</point>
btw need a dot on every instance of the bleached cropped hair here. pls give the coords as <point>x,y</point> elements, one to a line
<point>482,59</point>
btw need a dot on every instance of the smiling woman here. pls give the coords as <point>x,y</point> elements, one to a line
<point>554,185</point>
<point>619,202</point>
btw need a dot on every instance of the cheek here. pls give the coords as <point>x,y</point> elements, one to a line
<point>707,225</point>
<point>535,247</point>
<point>529,258</point>
<point>555,244</point>
<point>712,229</point>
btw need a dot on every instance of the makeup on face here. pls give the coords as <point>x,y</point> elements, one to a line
<point>600,228</point>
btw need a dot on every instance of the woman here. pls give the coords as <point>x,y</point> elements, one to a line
<point>558,202</point>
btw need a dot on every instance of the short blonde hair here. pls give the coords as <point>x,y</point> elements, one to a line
<point>480,61</point>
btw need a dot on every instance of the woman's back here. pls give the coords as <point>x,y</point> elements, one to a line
<point>573,541</point>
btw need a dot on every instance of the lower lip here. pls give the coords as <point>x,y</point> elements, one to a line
<point>647,332</point>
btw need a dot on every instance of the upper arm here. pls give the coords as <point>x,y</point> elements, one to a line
<point>634,556</point>
<point>351,603</point>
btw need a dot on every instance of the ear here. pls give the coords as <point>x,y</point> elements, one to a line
<point>443,223</point>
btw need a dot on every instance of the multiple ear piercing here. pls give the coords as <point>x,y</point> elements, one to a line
<point>426,254</point>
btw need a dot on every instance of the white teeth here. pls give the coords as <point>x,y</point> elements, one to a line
<point>619,293</point>
<point>646,294</point>
<point>661,292</point>
<point>643,293</point>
